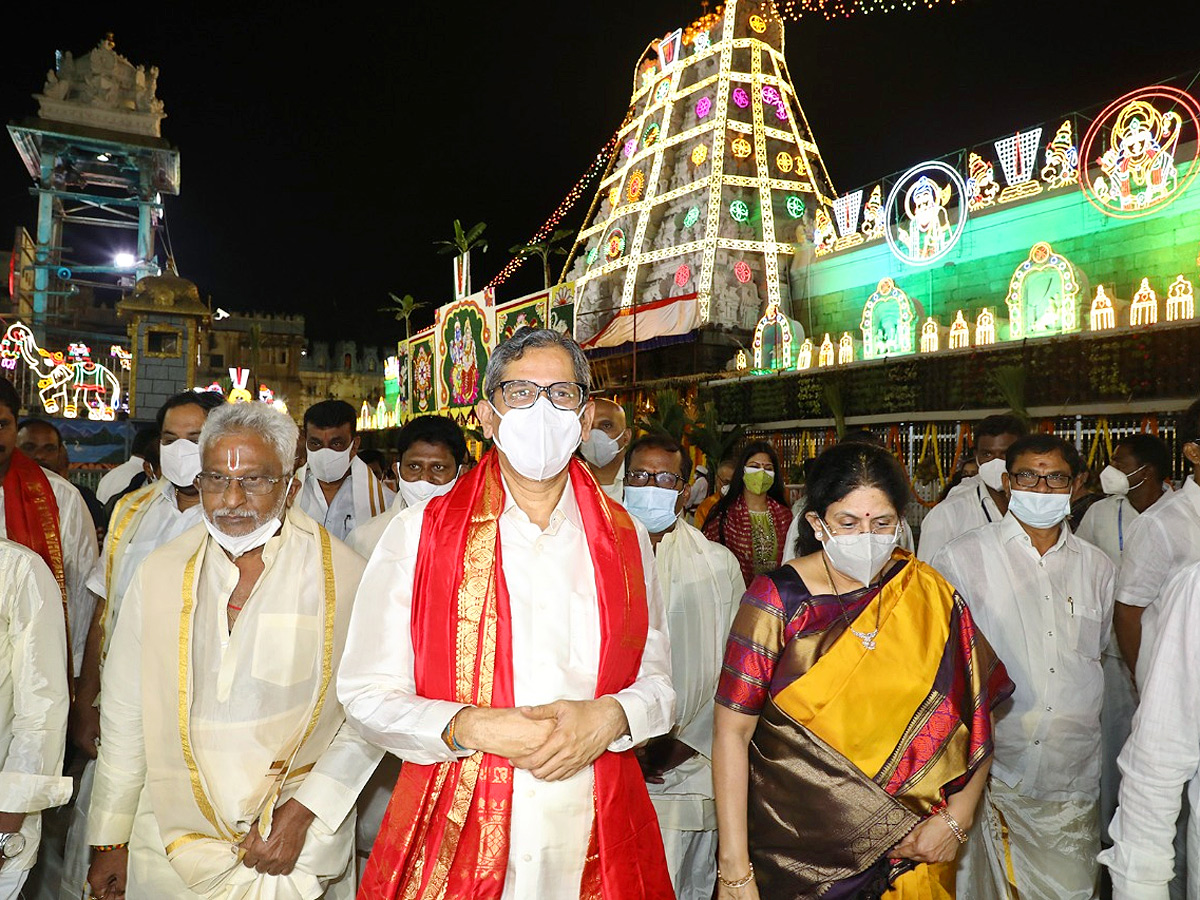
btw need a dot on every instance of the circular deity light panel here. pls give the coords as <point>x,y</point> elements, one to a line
<point>770,95</point>
<point>795,206</point>
<point>783,162</point>
<point>699,154</point>
<point>691,217</point>
<point>664,88</point>
<point>1131,156</point>
<point>740,98</point>
<point>650,135</point>
<point>757,24</point>
<point>741,148</point>
<point>926,213</point>
<point>637,182</point>
<point>683,275</point>
<point>703,107</point>
<point>739,211</point>
<point>615,245</point>
<point>741,271</point>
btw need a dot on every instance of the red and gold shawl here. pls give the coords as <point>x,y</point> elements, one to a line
<point>446,831</point>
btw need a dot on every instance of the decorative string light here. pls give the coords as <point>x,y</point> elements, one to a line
<point>795,10</point>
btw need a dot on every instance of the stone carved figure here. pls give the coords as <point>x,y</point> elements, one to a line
<point>103,79</point>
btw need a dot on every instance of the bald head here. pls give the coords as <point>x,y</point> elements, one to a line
<point>605,447</point>
<point>610,417</point>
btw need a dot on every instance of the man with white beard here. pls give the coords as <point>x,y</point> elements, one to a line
<point>227,768</point>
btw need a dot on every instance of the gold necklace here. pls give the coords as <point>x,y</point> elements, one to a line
<point>866,638</point>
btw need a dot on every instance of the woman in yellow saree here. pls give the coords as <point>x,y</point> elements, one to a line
<point>853,729</point>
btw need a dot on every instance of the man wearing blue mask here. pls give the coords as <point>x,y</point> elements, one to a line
<point>1044,599</point>
<point>702,585</point>
<point>976,500</point>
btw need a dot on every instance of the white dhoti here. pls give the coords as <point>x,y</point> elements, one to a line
<point>1020,847</point>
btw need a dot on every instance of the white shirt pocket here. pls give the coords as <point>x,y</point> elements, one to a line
<point>285,648</point>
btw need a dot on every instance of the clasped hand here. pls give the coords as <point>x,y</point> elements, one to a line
<point>277,855</point>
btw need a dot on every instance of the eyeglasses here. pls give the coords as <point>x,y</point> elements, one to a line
<point>886,526</point>
<point>565,395</point>
<point>668,480</point>
<point>1054,481</point>
<point>212,483</point>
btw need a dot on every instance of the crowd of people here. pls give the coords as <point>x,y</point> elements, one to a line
<point>262,663</point>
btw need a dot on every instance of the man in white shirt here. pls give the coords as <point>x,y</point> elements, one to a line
<point>604,448</point>
<point>430,451</point>
<point>977,500</point>
<point>1160,759</point>
<point>34,694</point>
<point>338,490</point>
<point>227,767</point>
<point>1135,479</point>
<point>1044,600</point>
<point>115,480</point>
<point>1157,547</point>
<point>702,583</point>
<point>509,644</point>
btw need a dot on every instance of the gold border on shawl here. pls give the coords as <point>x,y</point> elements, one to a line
<point>185,740</point>
<point>52,524</point>
<point>1010,871</point>
<point>188,839</point>
<point>127,509</point>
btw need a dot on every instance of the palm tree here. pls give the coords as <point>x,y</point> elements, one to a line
<point>545,248</point>
<point>712,439</point>
<point>402,309</point>
<point>669,419</point>
<point>463,243</point>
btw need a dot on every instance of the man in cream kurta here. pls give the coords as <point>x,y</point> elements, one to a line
<point>33,708</point>
<point>205,755</point>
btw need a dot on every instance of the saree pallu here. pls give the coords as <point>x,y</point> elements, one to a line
<point>850,756</point>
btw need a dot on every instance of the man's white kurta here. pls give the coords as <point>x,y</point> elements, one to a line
<point>34,695</point>
<point>364,539</point>
<point>968,506</point>
<point>360,498</point>
<point>1161,755</point>
<point>250,692</point>
<point>1163,540</point>
<point>117,479</point>
<point>80,550</point>
<point>555,655</point>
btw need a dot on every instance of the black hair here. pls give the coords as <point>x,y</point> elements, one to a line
<point>206,400</point>
<point>10,398</point>
<point>142,441</point>
<point>843,469</point>
<point>737,484</point>
<point>664,443</point>
<point>1044,443</point>
<point>1149,450</point>
<point>369,456</point>
<point>433,430</point>
<point>34,420</point>
<point>331,414</point>
<point>861,436</point>
<point>994,426</point>
<point>1187,429</point>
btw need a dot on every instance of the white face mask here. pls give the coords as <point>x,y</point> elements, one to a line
<point>329,465</point>
<point>724,489</point>
<point>1038,510</point>
<point>180,462</point>
<point>653,505</point>
<point>237,544</point>
<point>862,555</point>
<point>992,472</point>
<point>538,441</point>
<point>415,492</point>
<point>1114,481</point>
<point>599,449</point>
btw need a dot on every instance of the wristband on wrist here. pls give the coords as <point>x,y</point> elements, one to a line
<point>448,737</point>
<point>105,848</point>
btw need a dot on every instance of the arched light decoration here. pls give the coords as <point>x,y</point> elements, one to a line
<point>741,148</point>
<point>795,206</point>
<point>783,162</point>
<point>637,182</point>
<point>699,154</point>
<point>615,244</point>
<point>740,98</point>
<point>703,107</point>
<point>925,194</point>
<point>683,275</point>
<point>1102,316</point>
<point>741,271</point>
<point>739,211</point>
<point>805,358</point>
<point>825,354</point>
<point>985,327</point>
<point>1043,295</point>
<point>1181,300</point>
<point>783,354</point>
<point>960,332</point>
<point>889,322</point>
<point>691,217</point>
<point>1144,309</point>
<point>845,349</point>
<point>1136,140</point>
<point>930,335</point>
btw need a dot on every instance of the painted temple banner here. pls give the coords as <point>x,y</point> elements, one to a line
<point>464,333</point>
<point>662,318</point>
<point>421,377</point>
<point>562,307</point>
<point>527,312</point>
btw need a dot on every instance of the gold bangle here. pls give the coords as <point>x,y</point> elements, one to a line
<point>741,882</point>
<point>959,834</point>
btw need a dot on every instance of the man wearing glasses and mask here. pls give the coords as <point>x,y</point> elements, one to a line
<point>524,654</point>
<point>1044,599</point>
<point>702,585</point>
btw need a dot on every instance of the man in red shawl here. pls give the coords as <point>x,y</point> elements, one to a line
<point>509,643</point>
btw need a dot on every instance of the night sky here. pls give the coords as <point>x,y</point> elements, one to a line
<point>322,154</point>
